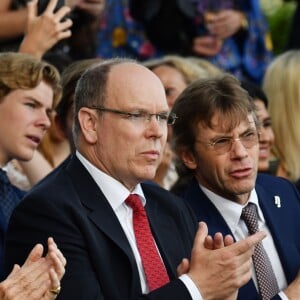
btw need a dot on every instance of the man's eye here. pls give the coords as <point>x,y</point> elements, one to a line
<point>163,117</point>
<point>136,116</point>
<point>31,104</point>
<point>250,134</point>
<point>221,141</point>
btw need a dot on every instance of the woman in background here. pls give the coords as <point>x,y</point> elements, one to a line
<point>281,85</point>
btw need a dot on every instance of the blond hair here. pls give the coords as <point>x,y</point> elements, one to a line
<point>189,70</point>
<point>282,87</point>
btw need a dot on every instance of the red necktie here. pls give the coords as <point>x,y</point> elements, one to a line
<point>155,271</point>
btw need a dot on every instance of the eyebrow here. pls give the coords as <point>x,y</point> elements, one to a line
<point>229,135</point>
<point>39,103</point>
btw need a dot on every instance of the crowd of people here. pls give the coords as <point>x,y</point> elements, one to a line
<point>148,151</point>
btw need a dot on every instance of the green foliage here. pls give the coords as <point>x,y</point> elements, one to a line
<point>279,23</point>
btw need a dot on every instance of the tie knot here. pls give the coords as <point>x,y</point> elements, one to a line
<point>3,177</point>
<point>249,215</point>
<point>134,202</point>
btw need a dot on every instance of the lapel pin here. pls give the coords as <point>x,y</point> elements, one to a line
<point>277,201</point>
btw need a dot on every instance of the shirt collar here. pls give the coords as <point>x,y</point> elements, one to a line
<point>114,191</point>
<point>231,211</point>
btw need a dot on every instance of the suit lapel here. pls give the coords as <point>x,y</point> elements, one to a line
<point>286,247</point>
<point>206,211</point>
<point>100,211</point>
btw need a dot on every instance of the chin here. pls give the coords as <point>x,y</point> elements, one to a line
<point>263,166</point>
<point>148,175</point>
<point>25,156</point>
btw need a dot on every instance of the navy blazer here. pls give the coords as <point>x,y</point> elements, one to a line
<point>70,207</point>
<point>283,222</point>
<point>3,227</point>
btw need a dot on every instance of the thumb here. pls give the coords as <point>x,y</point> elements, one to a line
<point>201,235</point>
<point>35,254</point>
<point>15,269</point>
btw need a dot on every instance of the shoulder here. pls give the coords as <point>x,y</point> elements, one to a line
<point>164,199</point>
<point>273,182</point>
<point>271,186</point>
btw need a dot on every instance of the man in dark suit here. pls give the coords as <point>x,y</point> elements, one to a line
<point>216,137</point>
<point>120,130</point>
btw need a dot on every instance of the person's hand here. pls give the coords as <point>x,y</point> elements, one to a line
<point>93,7</point>
<point>218,242</point>
<point>293,290</point>
<point>220,272</point>
<point>225,23</point>
<point>44,31</point>
<point>207,45</point>
<point>31,281</point>
<point>57,262</point>
<point>36,277</point>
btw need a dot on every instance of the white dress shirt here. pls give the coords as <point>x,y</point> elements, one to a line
<point>116,194</point>
<point>231,212</point>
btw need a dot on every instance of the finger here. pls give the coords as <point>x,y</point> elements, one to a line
<point>65,25</point>
<point>14,271</point>
<point>51,6</point>
<point>228,240</point>
<point>55,282</point>
<point>218,241</point>
<point>32,10</point>
<point>58,264</point>
<point>35,254</point>
<point>201,234</point>
<point>248,243</point>
<point>209,243</point>
<point>52,248</point>
<point>62,12</point>
<point>183,267</point>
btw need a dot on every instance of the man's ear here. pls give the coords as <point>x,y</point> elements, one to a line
<point>188,159</point>
<point>88,120</point>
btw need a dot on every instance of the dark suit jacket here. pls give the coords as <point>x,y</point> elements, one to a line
<point>69,206</point>
<point>283,222</point>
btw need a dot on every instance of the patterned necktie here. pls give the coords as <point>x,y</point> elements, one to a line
<point>155,271</point>
<point>266,279</point>
<point>8,197</point>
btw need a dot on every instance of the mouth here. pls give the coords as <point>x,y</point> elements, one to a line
<point>151,154</point>
<point>34,139</point>
<point>241,173</point>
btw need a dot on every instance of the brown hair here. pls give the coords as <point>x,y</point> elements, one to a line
<point>201,101</point>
